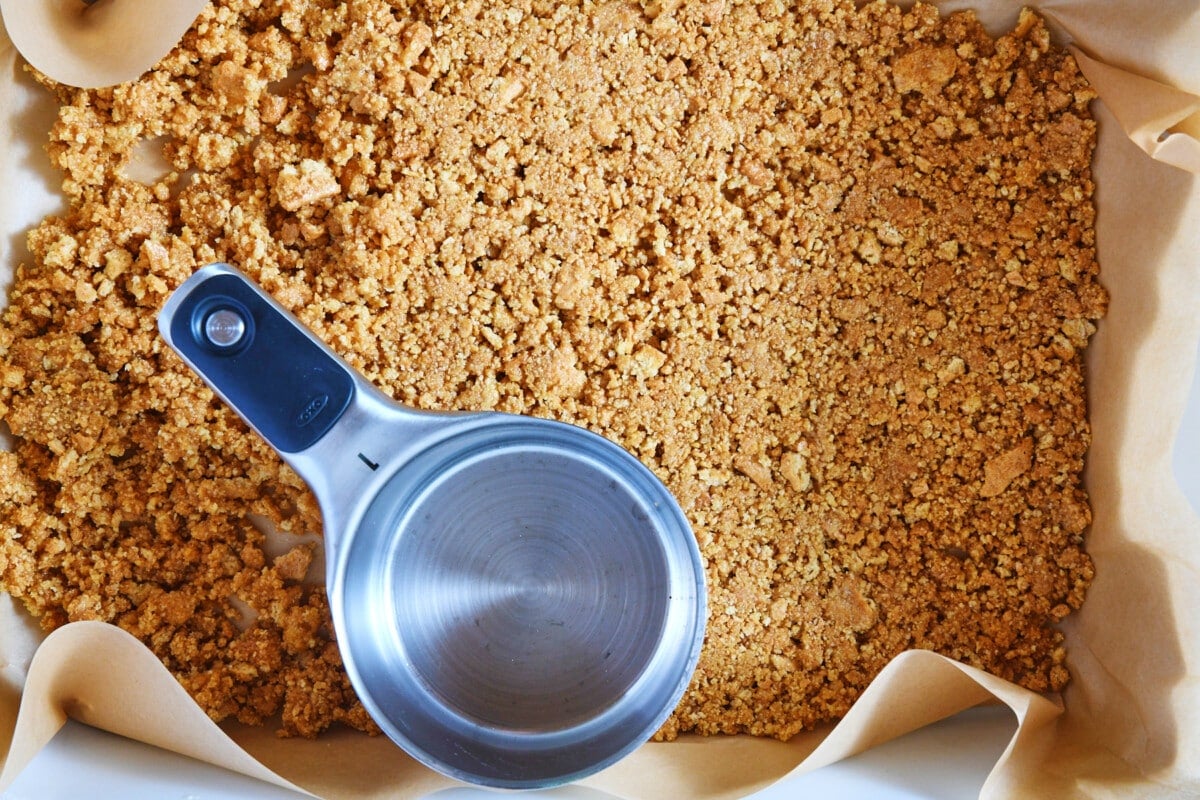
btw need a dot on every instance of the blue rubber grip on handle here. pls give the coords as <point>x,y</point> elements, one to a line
<point>262,361</point>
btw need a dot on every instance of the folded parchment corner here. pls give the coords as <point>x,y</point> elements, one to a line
<point>1162,120</point>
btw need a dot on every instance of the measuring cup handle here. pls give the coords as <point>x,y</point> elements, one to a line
<point>261,361</point>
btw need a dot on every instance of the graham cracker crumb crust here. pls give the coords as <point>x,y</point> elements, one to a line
<point>829,271</point>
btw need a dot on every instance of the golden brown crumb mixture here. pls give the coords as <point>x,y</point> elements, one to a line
<point>829,271</point>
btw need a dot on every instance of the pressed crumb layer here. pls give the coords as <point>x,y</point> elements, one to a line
<point>828,270</point>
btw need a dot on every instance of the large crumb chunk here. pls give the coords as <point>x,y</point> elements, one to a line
<point>1001,471</point>
<point>925,70</point>
<point>303,185</point>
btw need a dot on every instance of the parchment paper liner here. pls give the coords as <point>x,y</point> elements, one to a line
<point>90,45</point>
<point>1131,726</point>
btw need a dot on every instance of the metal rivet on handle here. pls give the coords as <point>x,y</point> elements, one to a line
<point>224,327</point>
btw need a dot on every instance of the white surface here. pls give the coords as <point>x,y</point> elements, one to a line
<point>946,761</point>
<point>31,184</point>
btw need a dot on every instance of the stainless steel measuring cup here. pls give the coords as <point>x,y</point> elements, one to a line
<point>518,602</point>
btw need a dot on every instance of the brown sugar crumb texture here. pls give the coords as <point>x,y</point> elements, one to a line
<point>829,271</point>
